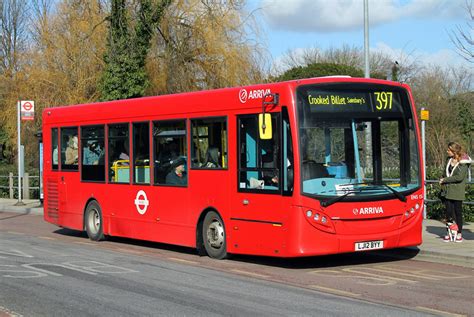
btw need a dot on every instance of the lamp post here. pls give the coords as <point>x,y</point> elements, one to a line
<point>368,131</point>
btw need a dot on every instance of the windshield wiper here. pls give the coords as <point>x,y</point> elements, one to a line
<point>331,201</point>
<point>399,195</point>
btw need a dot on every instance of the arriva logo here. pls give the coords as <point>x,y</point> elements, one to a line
<point>252,94</point>
<point>368,211</point>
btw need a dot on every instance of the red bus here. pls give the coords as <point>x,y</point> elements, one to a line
<point>299,168</point>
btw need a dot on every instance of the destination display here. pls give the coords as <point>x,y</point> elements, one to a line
<point>352,101</point>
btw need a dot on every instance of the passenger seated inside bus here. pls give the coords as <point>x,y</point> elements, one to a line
<point>72,155</point>
<point>269,161</point>
<point>124,155</point>
<point>177,175</point>
<point>93,153</point>
<point>212,158</point>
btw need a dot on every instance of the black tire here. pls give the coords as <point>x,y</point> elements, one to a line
<point>214,236</point>
<point>93,221</point>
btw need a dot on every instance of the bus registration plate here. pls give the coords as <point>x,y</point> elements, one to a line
<point>369,245</point>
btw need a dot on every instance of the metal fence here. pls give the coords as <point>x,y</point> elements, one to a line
<point>433,201</point>
<point>9,186</point>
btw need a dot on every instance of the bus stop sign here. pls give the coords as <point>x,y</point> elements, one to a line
<point>27,110</point>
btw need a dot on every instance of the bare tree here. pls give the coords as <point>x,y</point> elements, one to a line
<point>205,44</point>
<point>462,36</point>
<point>13,34</point>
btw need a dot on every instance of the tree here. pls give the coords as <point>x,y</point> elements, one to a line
<point>13,38</point>
<point>381,65</point>
<point>205,44</point>
<point>64,57</point>
<point>125,75</point>
<point>446,94</point>
<point>320,69</point>
<point>13,34</point>
<point>462,37</point>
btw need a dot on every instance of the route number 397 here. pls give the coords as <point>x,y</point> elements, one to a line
<point>383,100</point>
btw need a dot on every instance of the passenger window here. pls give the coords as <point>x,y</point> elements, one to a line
<point>69,149</point>
<point>119,153</point>
<point>209,146</point>
<point>141,153</point>
<point>55,149</point>
<point>259,160</point>
<point>93,153</point>
<point>170,152</point>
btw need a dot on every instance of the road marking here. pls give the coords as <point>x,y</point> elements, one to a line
<point>334,291</point>
<point>363,278</point>
<point>250,273</point>
<point>84,243</point>
<point>183,260</point>
<point>423,273</point>
<point>360,271</point>
<point>98,267</point>
<point>439,312</point>
<point>387,270</point>
<point>9,312</point>
<point>47,238</point>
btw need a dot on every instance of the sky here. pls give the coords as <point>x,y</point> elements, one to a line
<point>416,29</point>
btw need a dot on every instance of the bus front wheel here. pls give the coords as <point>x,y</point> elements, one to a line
<point>93,221</point>
<point>214,237</point>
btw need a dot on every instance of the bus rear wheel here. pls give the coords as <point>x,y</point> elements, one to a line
<point>93,221</point>
<point>213,235</point>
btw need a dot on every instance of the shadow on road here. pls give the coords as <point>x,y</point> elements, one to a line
<point>334,260</point>
<point>15,216</point>
<point>324,261</point>
<point>128,241</point>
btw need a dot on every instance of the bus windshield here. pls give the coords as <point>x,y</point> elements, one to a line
<point>356,141</point>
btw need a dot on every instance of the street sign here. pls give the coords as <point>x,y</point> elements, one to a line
<point>27,110</point>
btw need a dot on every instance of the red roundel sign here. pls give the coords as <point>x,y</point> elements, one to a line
<point>27,110</point>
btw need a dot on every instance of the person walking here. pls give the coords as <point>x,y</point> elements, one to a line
<point>453,188</point>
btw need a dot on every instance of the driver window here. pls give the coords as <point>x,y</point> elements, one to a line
<point>259,160</point>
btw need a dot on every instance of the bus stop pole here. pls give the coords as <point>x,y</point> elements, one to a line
<point>423,149</point>
<point>19,203</point>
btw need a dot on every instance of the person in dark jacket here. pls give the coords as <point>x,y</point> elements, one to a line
<point>453,185</point>
<point>177,175</point>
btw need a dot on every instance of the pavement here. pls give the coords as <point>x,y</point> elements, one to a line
<point>433,248</point>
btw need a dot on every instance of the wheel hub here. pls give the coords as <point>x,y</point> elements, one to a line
<point>215,234</point>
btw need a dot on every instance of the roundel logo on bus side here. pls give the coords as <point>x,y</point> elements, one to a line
<point>243,95</point>
<point>141,202</point>
<point>355,211</point>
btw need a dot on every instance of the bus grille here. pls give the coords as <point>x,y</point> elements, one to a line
<point>52,199</point>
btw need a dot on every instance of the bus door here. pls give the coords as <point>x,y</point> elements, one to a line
<point>258,216</point>
<point>71,211</point>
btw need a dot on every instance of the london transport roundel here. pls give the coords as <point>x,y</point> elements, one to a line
<point>243,95</point>
<point>141,202</point>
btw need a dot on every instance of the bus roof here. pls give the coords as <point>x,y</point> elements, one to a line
<point>180,104</point>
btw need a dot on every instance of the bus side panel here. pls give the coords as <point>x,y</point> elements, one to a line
<point>257,238</point>
<point>70,200</point>
<point>209,189</point>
